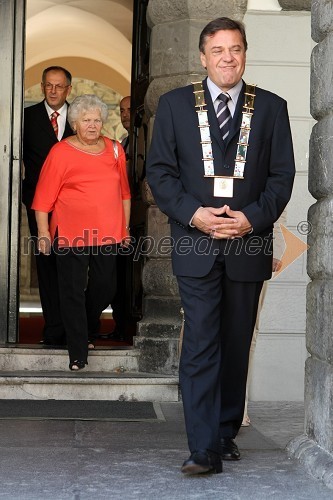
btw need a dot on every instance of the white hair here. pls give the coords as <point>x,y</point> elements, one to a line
<point>84,103</point>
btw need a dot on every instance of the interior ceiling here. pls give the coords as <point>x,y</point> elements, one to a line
<point>98,31</point>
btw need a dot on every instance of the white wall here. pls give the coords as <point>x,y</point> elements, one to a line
<point>278,60</point>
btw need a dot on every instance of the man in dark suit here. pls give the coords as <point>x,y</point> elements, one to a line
<point>41,132</point>
<point>221,166</point>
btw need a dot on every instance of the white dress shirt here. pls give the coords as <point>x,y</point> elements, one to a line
<point>61,118</point>
<point>233,93</point>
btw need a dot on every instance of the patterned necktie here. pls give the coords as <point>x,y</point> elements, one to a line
<point>223,115</point>
<point>54,122</point>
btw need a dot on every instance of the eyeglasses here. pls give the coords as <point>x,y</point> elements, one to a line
<point>57,88</point>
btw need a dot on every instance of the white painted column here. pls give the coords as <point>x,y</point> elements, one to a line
<point>276,63</point>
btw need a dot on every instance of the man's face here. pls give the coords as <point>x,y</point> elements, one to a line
<point>55,89</point>
<point>125,112</point>
<point>224,58</point>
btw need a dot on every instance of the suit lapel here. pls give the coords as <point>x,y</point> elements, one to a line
<point>68,129</point>
<point>45,122</point>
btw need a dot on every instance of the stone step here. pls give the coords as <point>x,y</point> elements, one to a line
<point>100,359</point>
<point>85,385</point>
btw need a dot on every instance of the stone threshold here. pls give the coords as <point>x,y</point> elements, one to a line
<point>83,385</point>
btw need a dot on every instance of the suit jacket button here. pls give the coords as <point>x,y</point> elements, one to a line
<point>226,166</point>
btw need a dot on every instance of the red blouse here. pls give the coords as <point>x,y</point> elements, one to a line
<point>85,193</point>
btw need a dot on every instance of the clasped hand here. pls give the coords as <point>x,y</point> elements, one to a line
<point>209,221</point>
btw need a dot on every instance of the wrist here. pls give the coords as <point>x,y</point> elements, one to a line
<point>193,216</point>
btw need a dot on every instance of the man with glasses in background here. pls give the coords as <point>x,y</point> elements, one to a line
<point>45,124</point>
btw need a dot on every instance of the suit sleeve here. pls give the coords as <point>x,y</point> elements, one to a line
<point>281,172</point>
<point>124,184</point>
<point>163,174</point>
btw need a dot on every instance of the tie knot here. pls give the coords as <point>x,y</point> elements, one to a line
<point>55,114</point>
<point>224,98</point>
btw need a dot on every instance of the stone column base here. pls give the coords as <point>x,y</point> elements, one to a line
<point>158,355</point>
<point>316,461</point>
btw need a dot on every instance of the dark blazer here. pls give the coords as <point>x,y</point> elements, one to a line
<point>38,139</point>
<point>175,173</point>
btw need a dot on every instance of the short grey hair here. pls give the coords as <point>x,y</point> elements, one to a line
<point>85,103</point>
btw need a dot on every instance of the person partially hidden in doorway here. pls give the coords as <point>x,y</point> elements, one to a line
<point>125,117</point>
<point>278,250</point>
<point>119,303</point>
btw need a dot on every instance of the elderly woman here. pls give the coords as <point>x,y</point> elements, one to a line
<point>84,183</point>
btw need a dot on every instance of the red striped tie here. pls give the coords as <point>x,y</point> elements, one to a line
<point>54,122</point>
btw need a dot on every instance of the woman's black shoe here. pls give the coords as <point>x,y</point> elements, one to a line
<point>77,365</point>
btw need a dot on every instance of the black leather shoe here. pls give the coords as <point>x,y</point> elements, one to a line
<point>229,449</point>
<point>115,335</point>
<point>201,462</point>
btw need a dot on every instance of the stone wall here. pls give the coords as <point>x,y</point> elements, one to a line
<point>295,4</point>
<point>315,447</point>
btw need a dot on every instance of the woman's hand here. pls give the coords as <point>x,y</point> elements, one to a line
<point>44,237</point>
<point>277,264</point>
<point>44,242</point>
<point>127,240</point>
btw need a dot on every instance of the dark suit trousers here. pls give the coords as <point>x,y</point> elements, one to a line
<point>54,332</point>
<point>219,320</point>
<point>119,309</point>
<point>87,284</point>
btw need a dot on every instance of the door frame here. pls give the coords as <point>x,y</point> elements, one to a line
<point>12,29</point>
